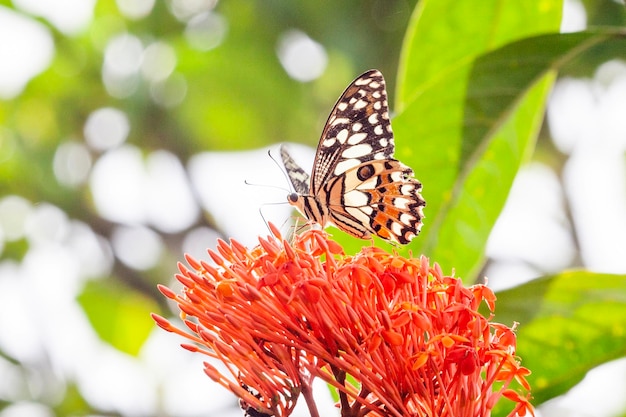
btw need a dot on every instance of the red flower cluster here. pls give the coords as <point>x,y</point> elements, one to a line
<point>393,335</point>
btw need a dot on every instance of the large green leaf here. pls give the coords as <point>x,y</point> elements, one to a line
<point>569,323</point>
<point>443,39</point>
<point>444,35</point>
<point>474,128</point>
<point>440,49</point>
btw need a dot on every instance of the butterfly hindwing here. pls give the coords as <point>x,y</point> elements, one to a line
<point>356,183</point>
<point>377,197</point>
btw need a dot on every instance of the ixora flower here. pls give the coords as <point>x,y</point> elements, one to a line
<point>394,336</point>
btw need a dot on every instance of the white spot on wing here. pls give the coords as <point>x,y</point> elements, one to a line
<point>369,184</point>
<point>339,120</point>
<point>360,104</point>
<point>373,119</point>
<point>342,106</point>
<point>401,203</point>
<point>378,130</point>
<point>345,165</point>
<point>355,198</point>
<point>396,228</point>
<point>357,151</point>
<point>358,214</point>
<point>357,138</point>
<point>329,142</point>
<point>357,126</point>
<point>342,136</point>
<point>406,218</point>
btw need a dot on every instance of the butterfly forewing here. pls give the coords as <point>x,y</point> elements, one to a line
<point>298,177</point>
<point>357,130</point>
<point>356,183</point>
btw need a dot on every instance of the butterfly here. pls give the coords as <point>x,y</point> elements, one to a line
<point>356,184</point>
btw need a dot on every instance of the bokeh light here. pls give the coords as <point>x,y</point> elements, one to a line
<point>206,30</point>
<point>122,61</point>
<point>159,61</point>
<point>106,128</point>
<point>135,9</point>
<point>302,57</point>
<point>68,16</point>
<point>14,212</point>
<point>72,163</point>
<point>24,56</point>
<point>137,247</point>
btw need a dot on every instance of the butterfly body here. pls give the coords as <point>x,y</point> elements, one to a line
<point>356,184</point>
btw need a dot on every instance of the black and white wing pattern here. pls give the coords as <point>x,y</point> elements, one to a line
<point>356,184</point>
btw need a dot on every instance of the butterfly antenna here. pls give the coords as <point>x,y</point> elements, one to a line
<point>266,185</point>
<point>280,166</point>
<point>269,153</point>
<point>289,190</point>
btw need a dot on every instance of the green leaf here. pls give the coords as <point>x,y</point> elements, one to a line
<point>569,323</point>
<point>119,315</point>
<point>499,78</point>
<point>439,49</point>
<point>446,35</point>
<point>480,121</point>
<point>465,192</point>
<point>482,186</point>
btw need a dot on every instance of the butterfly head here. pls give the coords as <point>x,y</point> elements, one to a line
<point>293,198</point>
<point>310,207</point>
